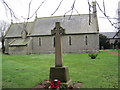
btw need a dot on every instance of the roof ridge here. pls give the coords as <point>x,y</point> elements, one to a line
<point>61,16</point>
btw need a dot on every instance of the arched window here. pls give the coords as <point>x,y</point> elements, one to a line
<point>54,42</point>
<point>86,41</point>
<point>39,41</point>
<point>70,41</point>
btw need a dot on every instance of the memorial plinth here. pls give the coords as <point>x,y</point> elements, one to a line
<point>59,72</point>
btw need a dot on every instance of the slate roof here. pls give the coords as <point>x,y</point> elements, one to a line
<point>19,42</point>
<point>43,26</point>
<point>15,29</point>
<point>109,34</point>
<point>77,24</point>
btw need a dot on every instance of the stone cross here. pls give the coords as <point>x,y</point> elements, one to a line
<point>58,31</point>
<point>59,72</point>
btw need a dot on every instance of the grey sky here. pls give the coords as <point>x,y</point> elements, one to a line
<point>20,7</point>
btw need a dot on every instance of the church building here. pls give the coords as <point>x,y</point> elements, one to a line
<point>81,35</point>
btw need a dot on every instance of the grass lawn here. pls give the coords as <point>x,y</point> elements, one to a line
<point>27,71</point>
<point>117,51</point>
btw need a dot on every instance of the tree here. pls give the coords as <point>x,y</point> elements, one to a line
<point>3,27</point>
<point>104,42</point>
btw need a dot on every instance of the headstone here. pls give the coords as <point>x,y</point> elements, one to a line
<point>59,72</point>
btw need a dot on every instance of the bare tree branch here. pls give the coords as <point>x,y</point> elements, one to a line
<point>71,10</point>
<point>89,12</point>
<point>104,6</point>
<point>38,8</point>
<point>76,11</point>
<point>29,9</point>
<point>57,8</point>
<point>10,10</point>
<point>3,25</point>
<point>107,16</point>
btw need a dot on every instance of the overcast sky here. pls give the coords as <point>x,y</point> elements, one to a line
<point>20,8</point>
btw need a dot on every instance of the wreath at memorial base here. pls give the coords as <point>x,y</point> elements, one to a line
<point>55,83</point>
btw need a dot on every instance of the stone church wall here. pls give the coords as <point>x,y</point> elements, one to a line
<point>29,46</point>
<point>18,50</point>
<point>43,44</point>
<point>21,49</point>
<point>47,45</point>
<point>93,42</point>
<point>73,44</point>
<point>7,41</point>
<point>35,45</point>
<point>81,43</point>
<point>70,44</point>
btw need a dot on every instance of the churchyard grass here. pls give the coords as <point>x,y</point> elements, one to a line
<point>118,51</point>
<point>27,71</point>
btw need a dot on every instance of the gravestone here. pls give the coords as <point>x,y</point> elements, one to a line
<point>59,72</point>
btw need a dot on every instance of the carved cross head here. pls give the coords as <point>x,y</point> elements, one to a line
<point>58,29</point>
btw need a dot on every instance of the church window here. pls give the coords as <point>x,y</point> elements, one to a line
<point>54,42</point>
<point>39,41</point>
<point>70,41</point>
<point>86,41</point>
